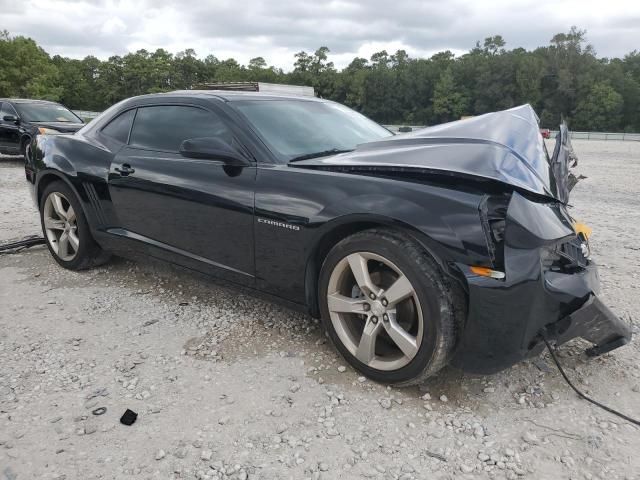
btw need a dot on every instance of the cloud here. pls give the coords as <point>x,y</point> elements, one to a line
<point>113,25</point>
<point>276,29</point>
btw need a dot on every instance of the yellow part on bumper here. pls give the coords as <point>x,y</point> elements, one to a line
<point>581,228</point>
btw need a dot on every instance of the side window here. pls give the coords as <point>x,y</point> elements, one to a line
<point>119,127</point>
<point>166,127</point>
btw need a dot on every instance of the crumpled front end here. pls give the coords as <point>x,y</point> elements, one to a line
<point>550,288</point>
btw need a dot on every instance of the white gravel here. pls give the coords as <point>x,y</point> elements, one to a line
<point>229,386</point>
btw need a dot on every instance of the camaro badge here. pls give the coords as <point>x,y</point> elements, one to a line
<point>278,224</point>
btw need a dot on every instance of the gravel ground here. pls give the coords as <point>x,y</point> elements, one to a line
<point>229,386</point>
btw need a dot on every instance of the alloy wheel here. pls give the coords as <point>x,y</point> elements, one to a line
<point>60,226</point>
<point>375,311</point>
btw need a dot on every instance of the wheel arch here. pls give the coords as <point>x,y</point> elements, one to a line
<point>46,177</point>
<point>343,227</point>
<point>93,254</point>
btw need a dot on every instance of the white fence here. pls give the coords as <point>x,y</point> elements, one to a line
<point>634,137</point>
<point>86,115</point>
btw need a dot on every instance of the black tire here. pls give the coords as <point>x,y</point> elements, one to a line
<point>89,253</point>
<point>441,303</point>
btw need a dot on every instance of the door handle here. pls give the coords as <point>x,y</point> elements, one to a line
<point>125,170</point>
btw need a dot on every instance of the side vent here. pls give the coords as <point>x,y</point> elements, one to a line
<point>99,215</point>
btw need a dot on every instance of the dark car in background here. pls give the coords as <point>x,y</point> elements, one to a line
<point>448,245</point>
<point>22,119</point>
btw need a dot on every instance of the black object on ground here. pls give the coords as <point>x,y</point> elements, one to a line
<point>129,417</point>
<point>582,395</point>
<point>15,246</point>
<point>100,411</point>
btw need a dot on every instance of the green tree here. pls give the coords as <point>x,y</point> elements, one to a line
<point>494,45</point>
<point>448,102</point>
<point>315,70</point>
<point>26,70</point>
<point>600,110</point>
<point>564,79</point>
<point>186,70</point>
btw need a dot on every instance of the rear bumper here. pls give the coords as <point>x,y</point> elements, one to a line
<point>507,319</point>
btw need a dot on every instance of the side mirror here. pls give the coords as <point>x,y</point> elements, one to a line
<point>212,148</point>
<point>10,119</point>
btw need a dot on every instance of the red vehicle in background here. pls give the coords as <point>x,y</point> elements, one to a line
<point>545,132</point>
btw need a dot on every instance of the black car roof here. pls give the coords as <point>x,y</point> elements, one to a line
<point>232,95</point>
<point>180,95</point>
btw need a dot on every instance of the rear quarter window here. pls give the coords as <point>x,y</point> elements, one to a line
<point>119,127</point>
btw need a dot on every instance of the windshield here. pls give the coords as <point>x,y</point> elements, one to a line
<point>46,112</point>
<point>297,128</point>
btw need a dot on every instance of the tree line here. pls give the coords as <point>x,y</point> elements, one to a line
<point>564,79</point>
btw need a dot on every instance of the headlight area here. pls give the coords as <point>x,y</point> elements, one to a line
<point>572,256</point>
<point>493,214</point>
<point>48,131</point>
<point>550,286</point>
<point>514,223</point>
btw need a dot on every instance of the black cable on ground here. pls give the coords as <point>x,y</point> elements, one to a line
<point>18,245</point>
<point>582,395</point>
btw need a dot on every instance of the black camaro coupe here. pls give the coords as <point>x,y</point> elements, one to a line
<point>449,245</point>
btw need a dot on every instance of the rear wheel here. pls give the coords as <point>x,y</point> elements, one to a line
<point>387,307</point>
<point>66,229</point>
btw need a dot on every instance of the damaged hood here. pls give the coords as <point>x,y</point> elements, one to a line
<point>504,146</point>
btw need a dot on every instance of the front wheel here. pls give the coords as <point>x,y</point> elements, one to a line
<point>387,307</point>
<point>66,229</point>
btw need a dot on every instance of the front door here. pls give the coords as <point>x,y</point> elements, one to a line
<point>201,210</point>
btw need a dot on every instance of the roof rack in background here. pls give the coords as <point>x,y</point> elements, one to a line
<point>276,88</point>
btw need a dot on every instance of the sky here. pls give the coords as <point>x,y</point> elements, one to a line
<point>276,29</point>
